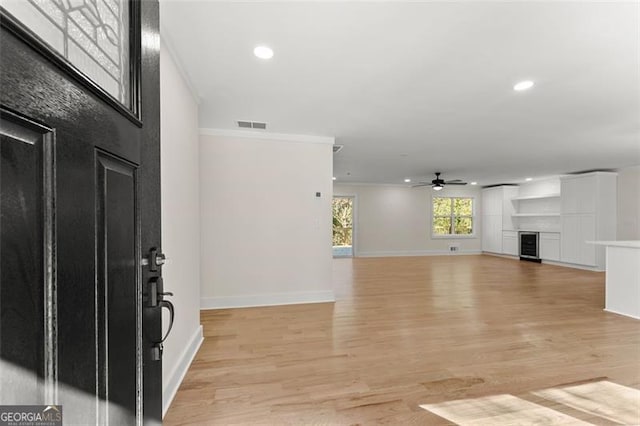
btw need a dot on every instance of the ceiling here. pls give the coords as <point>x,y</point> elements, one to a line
<point>411,88</point>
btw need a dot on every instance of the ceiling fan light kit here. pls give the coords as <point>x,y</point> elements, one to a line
<point>437,184</point>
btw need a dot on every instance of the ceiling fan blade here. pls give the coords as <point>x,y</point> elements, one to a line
<point>421,184</point>
<point>455,183</point>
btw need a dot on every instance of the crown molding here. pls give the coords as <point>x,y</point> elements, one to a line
<point>248,134</point>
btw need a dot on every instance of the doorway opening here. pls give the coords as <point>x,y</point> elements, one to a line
<point>342,209</point>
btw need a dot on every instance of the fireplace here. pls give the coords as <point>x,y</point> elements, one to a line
<point>529,246</point>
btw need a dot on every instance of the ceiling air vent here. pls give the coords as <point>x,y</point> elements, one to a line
<point>337,148</point>
<point>252,125</point>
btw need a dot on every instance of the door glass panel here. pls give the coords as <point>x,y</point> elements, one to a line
<point>91,34</point>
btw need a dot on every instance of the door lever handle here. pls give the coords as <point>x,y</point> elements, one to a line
<point>158,347</point>
<point>167,304</point>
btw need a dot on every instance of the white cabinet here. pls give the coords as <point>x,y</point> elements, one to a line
<point>550,246</point>
<point>579,193</point>
<point>588,213</point>
<point>569,195</point>
<point>570,247</point>
<point>510,242</point>
<point>587,190</point>
<point>588,233</point>
<point>576,231</point>
<point>492,201</point>
<point>492,233</point>
<point>497,211</point>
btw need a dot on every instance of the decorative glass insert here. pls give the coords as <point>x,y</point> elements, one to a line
<point>91,34</point>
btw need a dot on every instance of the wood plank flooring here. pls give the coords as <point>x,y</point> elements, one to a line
<point>404,332</point>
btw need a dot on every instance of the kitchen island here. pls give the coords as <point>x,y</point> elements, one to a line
<point>622,277</point>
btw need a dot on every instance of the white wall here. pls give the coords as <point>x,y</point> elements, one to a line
<point>266,237</point>
<point>180,222</point>
<point>629,203</point>
<point>394,220</point>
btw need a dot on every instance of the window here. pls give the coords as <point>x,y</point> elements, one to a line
<point>92,35</point>
<point>452,216</point>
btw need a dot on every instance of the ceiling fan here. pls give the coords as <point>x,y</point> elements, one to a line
<point>438,183</point>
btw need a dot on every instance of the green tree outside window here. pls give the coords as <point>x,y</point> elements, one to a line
<point>342,221</point>
<point>452,216</point>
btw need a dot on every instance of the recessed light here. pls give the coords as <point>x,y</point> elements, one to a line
<point>334,178</point>
<point>263,52</point>
<point>523,85</point>
<point>407,180</point>
<point>474,183</point>
<point>529,179</point>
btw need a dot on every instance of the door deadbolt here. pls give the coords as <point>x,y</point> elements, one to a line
<point>154,260</point>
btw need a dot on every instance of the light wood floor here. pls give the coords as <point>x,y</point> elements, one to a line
<point>404,332</point>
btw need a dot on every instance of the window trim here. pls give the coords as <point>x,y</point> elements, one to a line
<point>453,216</point>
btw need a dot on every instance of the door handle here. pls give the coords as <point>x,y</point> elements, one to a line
<point>156,299</point>
<point>158,347</point>
<point>156,291</point>
<point>167,304</point>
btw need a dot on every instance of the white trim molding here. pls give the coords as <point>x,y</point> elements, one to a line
<point>401,253</point>
<point>274,299</point>
<point>177,375</point>
<point>611,311</point>
<point>573,265</point>
<point>505,256</point>
<point>257,134</point>
<point>548,262</point>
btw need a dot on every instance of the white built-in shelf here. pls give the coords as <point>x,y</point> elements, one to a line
<point>535,214</point>
<point>536,197</point>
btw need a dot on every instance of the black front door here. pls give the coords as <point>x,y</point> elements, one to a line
<point>80,209</point>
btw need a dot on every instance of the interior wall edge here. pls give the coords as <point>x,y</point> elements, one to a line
<point>165,40</point>
<point>177,375</point>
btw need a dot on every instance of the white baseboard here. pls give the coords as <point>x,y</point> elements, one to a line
<point>549,262</point>
<point>400,253</point>
<point>620,313</point>
<point>273,299</point>
<point>506,256</point>
<point>573,265</point>
<point>186,358</point>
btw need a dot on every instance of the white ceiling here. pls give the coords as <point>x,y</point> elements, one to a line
<point>411,88</point>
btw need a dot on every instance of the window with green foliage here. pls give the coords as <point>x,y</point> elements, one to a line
<point>342,221</point>
<point>452,216</point>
